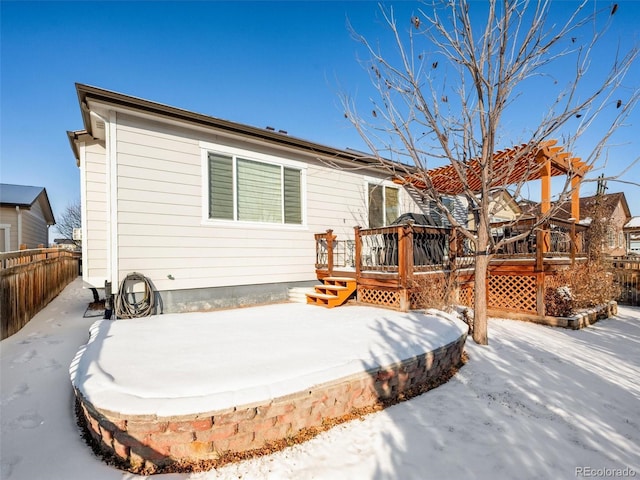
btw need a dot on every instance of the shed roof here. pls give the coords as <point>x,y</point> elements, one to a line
<point>25,196</point>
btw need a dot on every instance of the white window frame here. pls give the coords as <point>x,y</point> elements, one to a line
<point>382,183</point>
<point>611,237</point>
<point>238,153</point>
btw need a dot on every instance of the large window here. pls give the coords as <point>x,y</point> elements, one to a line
<point>253,191</point>
<point>384,205</point>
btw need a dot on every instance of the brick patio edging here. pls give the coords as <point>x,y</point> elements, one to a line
<point>151,444</point>
<point>581,319</point>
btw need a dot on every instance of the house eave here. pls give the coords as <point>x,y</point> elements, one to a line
<point>87,94</point>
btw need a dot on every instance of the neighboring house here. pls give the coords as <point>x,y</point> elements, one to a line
<point>66,243</point>
<point>611,208</point>
<point>25,217</point>
<point>502,208</point>
<point>632,234</point>
<point>213,212</point>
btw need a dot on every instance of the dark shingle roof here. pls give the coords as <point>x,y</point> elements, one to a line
<point>25,196</point>
<point>21,195</point>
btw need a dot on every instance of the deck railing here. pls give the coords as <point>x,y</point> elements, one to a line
<point>391,262</point>
<point>406,249</point>
<point>333,253</point>
<point>426,248</point>
<point>556,237</point>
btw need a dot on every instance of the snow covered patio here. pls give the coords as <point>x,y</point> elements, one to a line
<point>185,388</point>
<point>538,402</point>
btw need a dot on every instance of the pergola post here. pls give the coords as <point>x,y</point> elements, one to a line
<point>545,204</point>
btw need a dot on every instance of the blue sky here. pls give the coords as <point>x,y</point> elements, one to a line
<point>279,64</point>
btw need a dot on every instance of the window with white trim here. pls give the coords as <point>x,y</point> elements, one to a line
<point>384,205</point>
<point>611,237</point>
<point>247,190</point>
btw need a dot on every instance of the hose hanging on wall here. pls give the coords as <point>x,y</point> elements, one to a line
<point>126,304</point>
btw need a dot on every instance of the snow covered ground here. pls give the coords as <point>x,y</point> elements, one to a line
<point>536,403</point>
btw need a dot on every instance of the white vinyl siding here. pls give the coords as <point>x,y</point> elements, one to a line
<point>164,230</point>
<point>95,243</point>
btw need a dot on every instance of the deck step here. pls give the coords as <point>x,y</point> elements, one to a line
<point>330,287</point>
<point>333,292</point>
<point>338,279</point>
<point>299,294</point>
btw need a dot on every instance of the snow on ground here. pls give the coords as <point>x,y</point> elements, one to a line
<point>229,358</point>
<point>536,403</point>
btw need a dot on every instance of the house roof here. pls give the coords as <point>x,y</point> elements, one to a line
<point>609,202</point>
<point>87,95</point>
<point>633,224</point>
<point>24,196</point>
<point>510,166</point>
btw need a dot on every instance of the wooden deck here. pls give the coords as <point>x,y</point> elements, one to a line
<point>392,264</point>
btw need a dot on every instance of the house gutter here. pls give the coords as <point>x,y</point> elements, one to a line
<point>87,93</point>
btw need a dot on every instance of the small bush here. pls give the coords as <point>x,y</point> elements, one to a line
<point>579,287</point>
<point>433,290</point>
<point>558,301</point>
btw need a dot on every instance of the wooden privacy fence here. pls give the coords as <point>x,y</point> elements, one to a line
<point>627,274</point>
<point>29,280</point>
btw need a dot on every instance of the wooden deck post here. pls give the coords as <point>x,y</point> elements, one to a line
<point>540,248</point>
<point>358,251</point>
<point>545,204</point>
<point>453,249</point>
<point>330,237</point>
<point>540,310</point>
<point>405,264</point>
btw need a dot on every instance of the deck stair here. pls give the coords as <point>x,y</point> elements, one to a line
<point>333,292</point>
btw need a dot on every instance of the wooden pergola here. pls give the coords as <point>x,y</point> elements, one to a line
<point>511,166</point>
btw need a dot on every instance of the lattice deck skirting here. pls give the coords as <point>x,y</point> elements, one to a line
<point>513,292</point>
<point>377,296</point>
<point>509,292</point>
<point>465,295</point>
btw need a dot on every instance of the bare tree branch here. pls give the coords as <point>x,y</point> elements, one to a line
<point>423,118</point>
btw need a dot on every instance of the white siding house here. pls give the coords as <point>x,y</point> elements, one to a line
<point>213,212</point>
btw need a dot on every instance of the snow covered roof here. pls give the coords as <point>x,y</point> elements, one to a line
<point>633,223</point>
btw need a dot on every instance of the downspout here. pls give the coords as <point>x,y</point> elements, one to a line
<point>19,214</point>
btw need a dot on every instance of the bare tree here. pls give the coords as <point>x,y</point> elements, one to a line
<point>452,81</point>
<point>70,219</point>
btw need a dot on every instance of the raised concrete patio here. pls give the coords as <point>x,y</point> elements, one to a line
<point>182,388</point>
